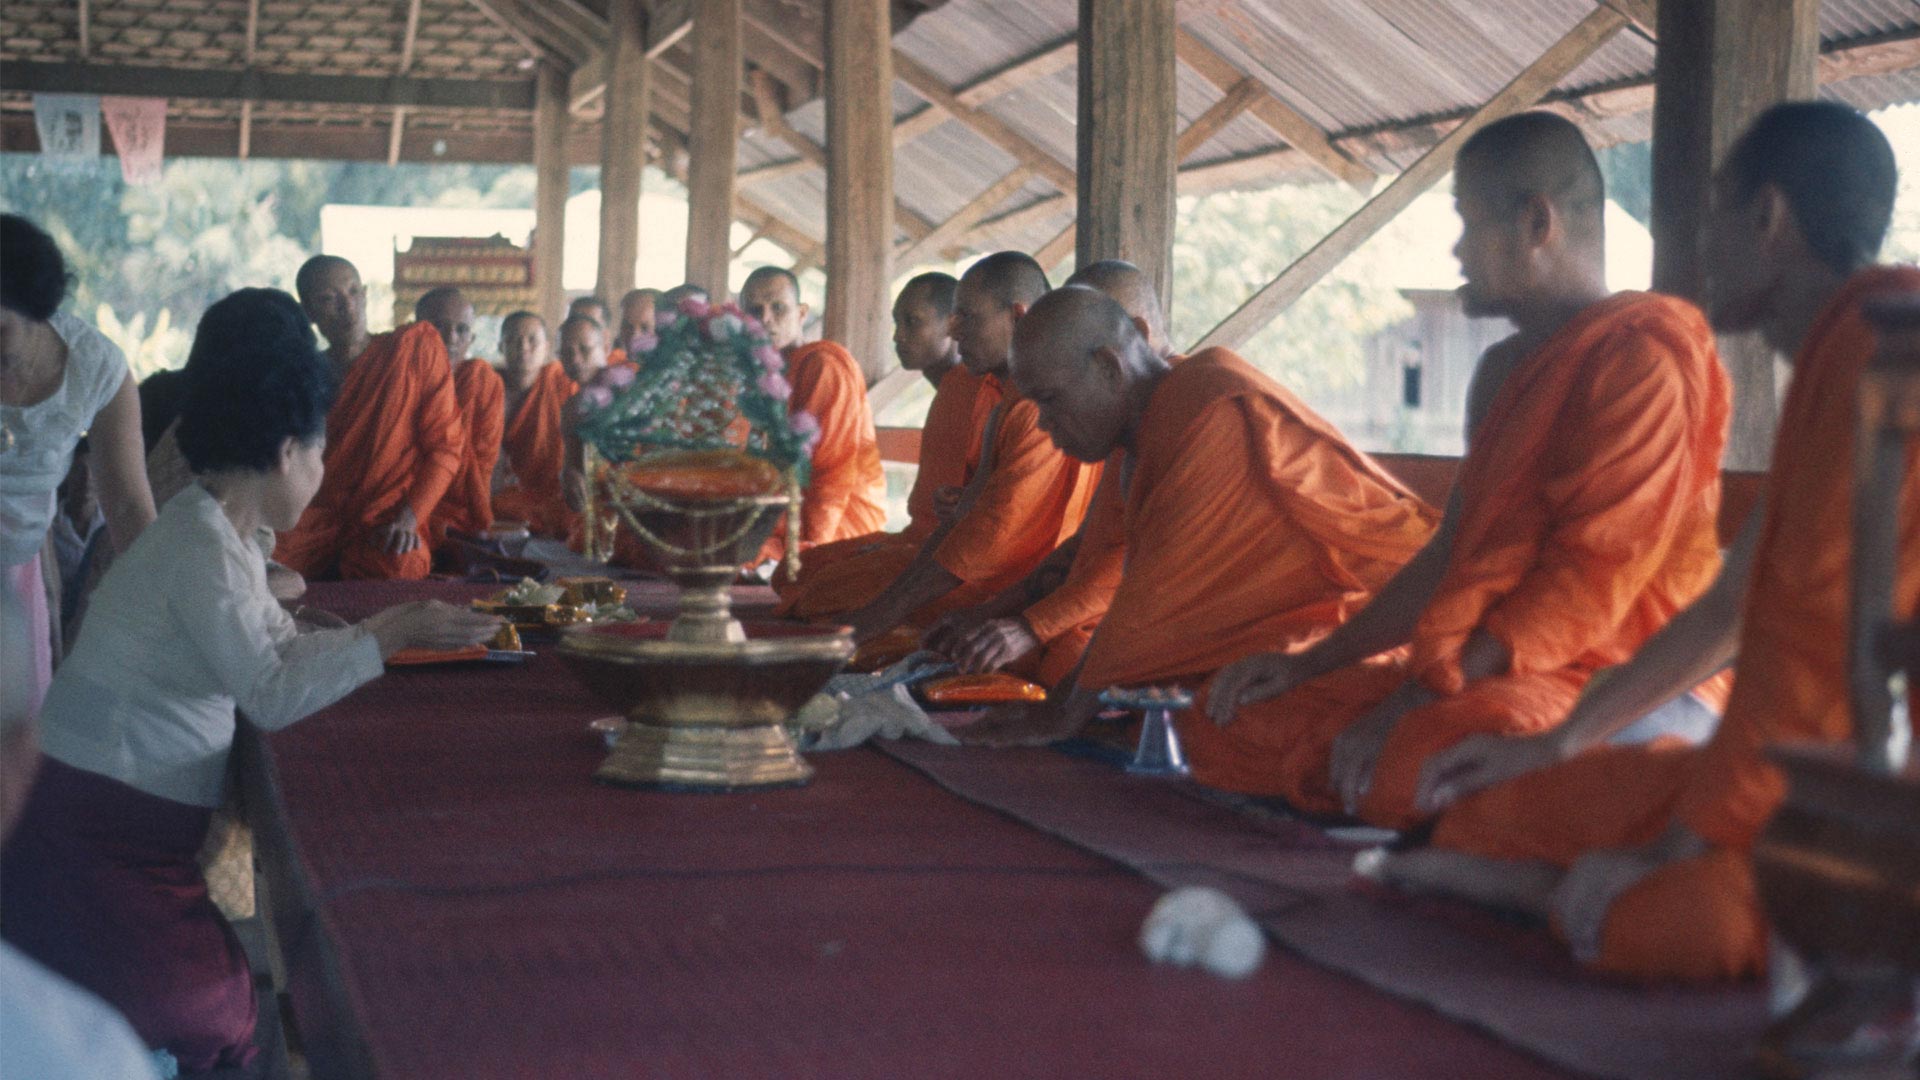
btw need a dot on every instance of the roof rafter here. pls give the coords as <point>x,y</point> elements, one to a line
<point>233,85</point>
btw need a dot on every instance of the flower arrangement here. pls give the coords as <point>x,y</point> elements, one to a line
<point>709,379</point>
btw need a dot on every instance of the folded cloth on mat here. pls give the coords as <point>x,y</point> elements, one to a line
<point>855,708</point>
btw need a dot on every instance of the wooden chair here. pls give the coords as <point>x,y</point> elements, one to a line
<point>1839,865</point>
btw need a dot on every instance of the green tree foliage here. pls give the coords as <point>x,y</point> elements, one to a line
<point>1228,245</point>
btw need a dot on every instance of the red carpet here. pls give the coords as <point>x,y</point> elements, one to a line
<point>1497,975</point>
<point>477,907</point>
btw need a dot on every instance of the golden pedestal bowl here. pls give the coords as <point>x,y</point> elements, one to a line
<point>705,697</point>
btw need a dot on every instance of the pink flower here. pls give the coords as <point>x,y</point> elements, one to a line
<point>770,359</point>
<point>807,427</point>
<point>755,329</point>
<point>665,319</point>
<point>617,377</point>
<point>694,307</point>
<point>643,343</point>
<point>596,397</point>
<point>723,326</point>
<point>774,385</point>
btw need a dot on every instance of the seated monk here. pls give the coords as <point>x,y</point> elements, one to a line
<point>468,505</point>
<point>1024,499</point>
<point>921,316</point>
<point>533,441</point>
<point>395,441</point>
<point>591,307</point>
<point>638,320</point>
<point>1040,626</point>
<point>845,487</point>
<point>1582,520</point>
<point>1641,855</point>
<point>1301,527</point>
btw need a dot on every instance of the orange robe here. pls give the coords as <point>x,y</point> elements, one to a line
<point>536,448</point>
<point>1301,529</point>
<point>845,576</point>
<point>846,486</point>
<point>468,504</point>
<point>1588,503</point>
<point>1701,918</point>
<point>394,437</point>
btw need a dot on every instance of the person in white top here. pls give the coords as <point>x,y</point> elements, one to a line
<point>48,1026</point>
<point>100,882</point>
<point>58,378</point>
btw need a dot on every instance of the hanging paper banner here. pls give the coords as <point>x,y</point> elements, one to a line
<point>69,126</point>
<point>139,129</point>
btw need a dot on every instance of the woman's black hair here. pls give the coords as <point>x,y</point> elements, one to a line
<point>33,273</point>
<point>255,378</point>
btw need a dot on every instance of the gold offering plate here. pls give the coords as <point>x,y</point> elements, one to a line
<point>533,616</point>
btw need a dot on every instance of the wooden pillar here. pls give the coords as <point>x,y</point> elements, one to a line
<point>859,92</point>
<point>713,143</point>
<point>1128,133</point>
<point>550,122</point>
<point>1720,64</point>
<point>623,148</point>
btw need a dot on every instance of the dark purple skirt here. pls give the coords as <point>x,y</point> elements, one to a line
<point>101,884</point>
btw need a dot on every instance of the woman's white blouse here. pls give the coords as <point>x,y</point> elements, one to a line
<point>181,631</point>
<point>34,459</point>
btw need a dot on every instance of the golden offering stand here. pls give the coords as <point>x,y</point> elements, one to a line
<point>706,696</point>
<point>1839,864</point>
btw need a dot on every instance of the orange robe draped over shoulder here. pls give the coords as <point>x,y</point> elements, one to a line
<point>1588,501</point>
<point>536,448</point>
<point>852,573</point>
<point>1300,529</point>
<point>468,504</point>
<point>394,437</point>
<point>1701,918</point>
<point>844,493</point>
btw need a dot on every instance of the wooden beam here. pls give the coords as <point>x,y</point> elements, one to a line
<point>1235,101</point>
<point>918,123</point>
<point>86,30</point>
<point>550,123</point>
<point>1523,91</point>
<point>860,179</point>
<point>777,170</point>
<point>512,29</point>
<point>888,388</point>
<point>1643,14</point>
<point>1054,251</point>
<point>396,132</point>
<point>987,125</point>
<point>752,238</point>
<point>1049,60</point>
<point>769,113</point>
<point>245,146</point>
<point>1299,132</point>
<point>623,148</point>
<point>965,218</point>
<point>529,21</point>
<point>34,77</point>
<point>1128,133</point>
<point>408,39</point>
<point>1720,64</point>
<point>714,142</point>
<point>668,21</point>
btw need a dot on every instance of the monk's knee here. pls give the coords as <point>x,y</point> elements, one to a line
<point>1693,921</point>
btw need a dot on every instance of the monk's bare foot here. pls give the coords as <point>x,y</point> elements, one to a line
<point>1500,883</point>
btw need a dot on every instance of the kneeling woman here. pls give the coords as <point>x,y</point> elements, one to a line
<point>99,883</point>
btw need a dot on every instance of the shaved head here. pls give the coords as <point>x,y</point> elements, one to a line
<point>318,267</point>
<point>1537,154</point>
<point>771,295</point>
<point>639,317</point>
<point>1011,277</point>
<point>449,312</point>
<point>1129,287</point>
<point>1080,357</point>
<point>687,291</point>
<point>333,297</point>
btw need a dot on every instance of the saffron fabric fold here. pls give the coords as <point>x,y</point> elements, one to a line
<point>1300,528</point>
<point>468,504</point>
<point>535,444</point>
<point>844,493</point>
<point>394,438</point>
<point>1588,500</point>
<point>1701,918</point>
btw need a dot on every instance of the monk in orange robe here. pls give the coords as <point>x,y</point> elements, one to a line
<point>533,442</point>
<point>1301,528</point>
<point>1025,498</point>
<point>845,490</point>
<point>1583,518</point>
<point>1039,627</point>
<point>395,440</point>
<point>921,315</point>
<point>1641,855</point>
<point>468,505</point>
